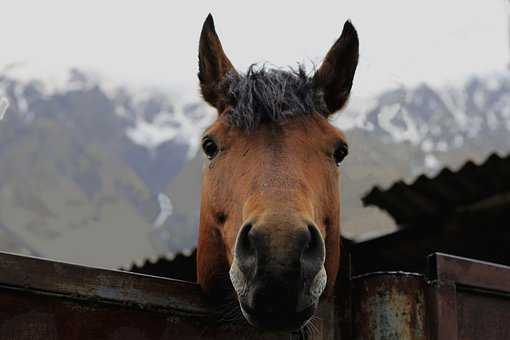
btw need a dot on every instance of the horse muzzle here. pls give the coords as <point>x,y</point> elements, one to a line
<point>278,275</point>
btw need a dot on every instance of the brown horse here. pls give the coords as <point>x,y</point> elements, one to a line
<point>270,215</point>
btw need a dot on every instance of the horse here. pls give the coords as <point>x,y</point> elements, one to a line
<point>269,228</point>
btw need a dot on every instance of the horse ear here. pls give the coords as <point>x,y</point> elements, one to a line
<point>213,64</point>
<point>335,75</point>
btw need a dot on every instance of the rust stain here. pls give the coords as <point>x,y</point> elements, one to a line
<point>390,306</point>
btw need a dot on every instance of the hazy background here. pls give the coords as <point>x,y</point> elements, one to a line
<point>155,43</point>
<point>98,149</point>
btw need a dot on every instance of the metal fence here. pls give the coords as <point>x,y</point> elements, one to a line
<point>457,299</point>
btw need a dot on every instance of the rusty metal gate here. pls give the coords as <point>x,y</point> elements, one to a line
<point>457,299</point>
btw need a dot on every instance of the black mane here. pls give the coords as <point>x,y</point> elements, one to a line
<point>270,95</point>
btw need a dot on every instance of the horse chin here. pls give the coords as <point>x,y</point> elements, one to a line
<point>279,322</point>
<point>278,318</point>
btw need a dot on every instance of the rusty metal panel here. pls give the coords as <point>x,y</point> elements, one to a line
<point>389,306</point>
<point>25,315</point>
<point>469,299</point>
<point>483,316</point>
<point>100,284</point>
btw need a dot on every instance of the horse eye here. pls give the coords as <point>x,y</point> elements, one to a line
<point>340,152</point>
<point>210,148</point>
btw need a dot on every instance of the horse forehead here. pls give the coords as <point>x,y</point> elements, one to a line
<point>279,134</point>
<point>275,144</point>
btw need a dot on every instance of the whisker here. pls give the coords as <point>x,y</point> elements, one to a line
<point>317,324</point>
<point>312,328</point>
<point>302,334</point>
<point>306,330</point>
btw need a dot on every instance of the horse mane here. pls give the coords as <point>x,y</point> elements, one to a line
<point>270,95</point>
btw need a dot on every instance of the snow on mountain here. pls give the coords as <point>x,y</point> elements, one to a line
<point>165,210</point>
<point>151,116</point>
<point>4,104</point>
<point>438,120</point>
<point>167,126</point>
<point>434,118</point>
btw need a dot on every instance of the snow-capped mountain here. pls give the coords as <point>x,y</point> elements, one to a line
<point>447,124</point>
<point>82,159</point>
<point>440,119</point>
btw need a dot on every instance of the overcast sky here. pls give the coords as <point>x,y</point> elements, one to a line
<point>154,43</point>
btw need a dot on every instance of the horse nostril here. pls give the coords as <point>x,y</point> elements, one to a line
<point>245,250</point>
<point>316,243</point>
<point>243,244</point>
<point>314,252</point>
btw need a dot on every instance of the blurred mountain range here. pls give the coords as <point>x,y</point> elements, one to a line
<point>105,175</point>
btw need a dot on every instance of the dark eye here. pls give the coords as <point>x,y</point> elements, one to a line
<point>210,148</point>
<point>340,152</point>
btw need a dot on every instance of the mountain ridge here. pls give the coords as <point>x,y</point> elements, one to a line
<point>83,159</point>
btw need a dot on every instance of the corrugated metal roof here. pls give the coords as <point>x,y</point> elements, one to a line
<point>432,197</point>
<point>180,266</point>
